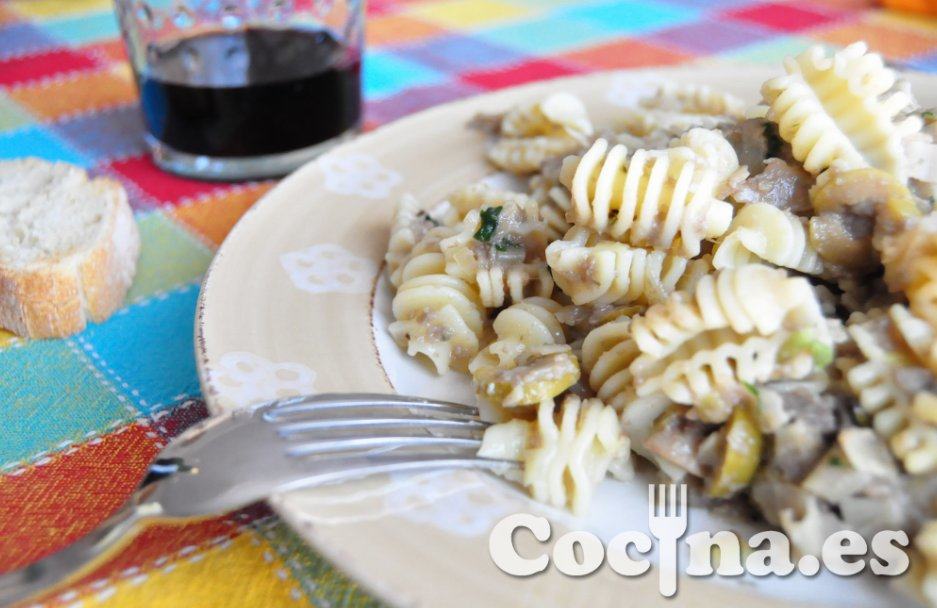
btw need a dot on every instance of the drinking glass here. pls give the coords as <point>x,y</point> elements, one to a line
<point>239,89</point>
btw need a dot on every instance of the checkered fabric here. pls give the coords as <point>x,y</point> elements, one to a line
<point>80,418</point>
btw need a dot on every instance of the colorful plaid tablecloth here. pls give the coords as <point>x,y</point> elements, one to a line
<point>80,418</point>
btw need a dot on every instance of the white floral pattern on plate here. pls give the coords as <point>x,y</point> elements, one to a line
<point>329,268</point>
<point>459,502</point>
<point>626,90</point>
<point>243,378</point>
<point>358,175</point>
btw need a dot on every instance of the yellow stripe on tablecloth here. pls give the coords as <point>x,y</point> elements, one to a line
<point>247,572</point>
<point>57,8</point>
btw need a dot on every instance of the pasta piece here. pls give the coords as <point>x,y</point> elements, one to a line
<point>900,396</point>
<point>525,155</point>
<point>607,354</point>
<point>565,454</point>
<point>910,260</point>
<point>761,231</point>
<point>873,380</point>
<point>676,108</point>
<point>696,99</point>
<point>530,360</point>
<point>500,250</point>
<point>554,126</point>
<point>555,203</point>
<point>437,315</point>
<point>841,110</point>
<point>659,199</point>
<point>412,224</point>
<point>916,444</point>
<point>712,150</point>
<point>558,112</point>
<point>749,299</point>
<point>592,271</point>
<point>480,194</point>
<point>711,371</point>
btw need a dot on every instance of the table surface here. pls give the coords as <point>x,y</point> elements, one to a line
<point>80,418</point>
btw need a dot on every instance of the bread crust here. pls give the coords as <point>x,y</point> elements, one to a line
<point>54,299</point>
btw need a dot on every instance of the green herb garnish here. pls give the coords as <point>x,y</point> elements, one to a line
<point>489,218</point>
<point>508,243</point>
<point>835,461</point>
<point>751,389</point>
<point>804,340</point>
<point>929,115</point>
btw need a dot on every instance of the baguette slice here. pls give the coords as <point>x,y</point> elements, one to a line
<point>68,248</point>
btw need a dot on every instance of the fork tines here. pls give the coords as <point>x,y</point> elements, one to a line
<point>310,405</point>
<point>369,425</point>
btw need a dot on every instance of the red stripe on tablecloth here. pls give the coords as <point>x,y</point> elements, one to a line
<point>160,185</point>
<point>42,65</point>
<point>46,507</point>
<point>160,545</point>
<point>527,71</point>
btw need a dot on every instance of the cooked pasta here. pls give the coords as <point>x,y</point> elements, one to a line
<point>565,453</point>
<point>676,108</point>
<point>555,203</point>
<point>529,361</point>
<point>841,109</point>
<point>910,259</point>
<point>438,316</point>
<point>712,150</point>
<point>500,250</point>
<point>529,135</point>
<point>711,370</point>
<point>747,298</point>
<point>593,271</point>
<point>607,354</point>
<point>762,232</point>
<point>480,194</point>
<point>657,199</point>
<point>750,299</point>
<point>891,383</point>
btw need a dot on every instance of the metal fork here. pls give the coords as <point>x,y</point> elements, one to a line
<point>232,461</point>
<point>667,519</point>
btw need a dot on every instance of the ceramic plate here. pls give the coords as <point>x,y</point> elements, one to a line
<point>295,302</point>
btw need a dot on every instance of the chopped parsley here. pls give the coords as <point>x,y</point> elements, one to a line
<point>751,389</point>
<point>835,461</point>
<point>508,243</point>
<point>489,219</point>
<point>929,115</point>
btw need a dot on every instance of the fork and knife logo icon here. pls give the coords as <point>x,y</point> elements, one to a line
<point>667,520</point>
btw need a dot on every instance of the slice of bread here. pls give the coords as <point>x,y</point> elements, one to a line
<point>68,248</point>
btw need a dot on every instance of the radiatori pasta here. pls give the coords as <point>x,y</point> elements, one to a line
<point>664,198</point>
<point>745,297</point>
<point>594,271</point>
<point>762,232</point>
<point>565,450</point>
<point>529,361</point>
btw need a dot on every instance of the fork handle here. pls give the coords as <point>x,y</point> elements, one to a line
<point>79,558</point>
